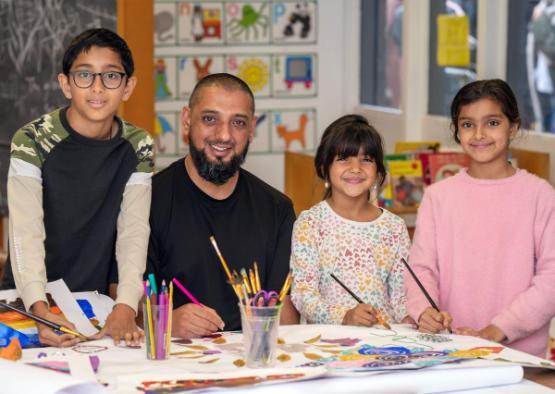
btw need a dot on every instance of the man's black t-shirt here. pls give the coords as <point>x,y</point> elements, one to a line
<point>253,224</point>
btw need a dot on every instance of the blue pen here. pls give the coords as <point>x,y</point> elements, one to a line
<point>152,283</point>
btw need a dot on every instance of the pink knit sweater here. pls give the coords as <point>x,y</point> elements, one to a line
<point>485,251</point>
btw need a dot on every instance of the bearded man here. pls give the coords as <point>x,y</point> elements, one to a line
<point>208,194</point>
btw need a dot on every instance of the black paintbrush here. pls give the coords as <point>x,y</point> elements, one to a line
<point>432,303</point>
<point>47,323</point>
<point>357,298</point>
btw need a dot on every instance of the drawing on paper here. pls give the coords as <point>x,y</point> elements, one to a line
<point>250,25</point>
<point>161,79</point>
<point>297,134</point>
<point>300,16</point>
<point>298,69</point>
<point>202,69</point>
<point>255,73</point>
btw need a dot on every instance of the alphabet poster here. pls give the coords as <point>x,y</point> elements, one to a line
<point>271,45</point>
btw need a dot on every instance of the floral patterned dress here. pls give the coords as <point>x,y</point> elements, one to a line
<point>365,256</point>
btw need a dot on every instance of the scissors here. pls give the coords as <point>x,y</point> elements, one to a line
<point>265,298</point>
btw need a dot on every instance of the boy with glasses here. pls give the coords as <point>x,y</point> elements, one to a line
<point>79,188</point>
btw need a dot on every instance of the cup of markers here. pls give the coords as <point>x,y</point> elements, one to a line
<point>157,315</point>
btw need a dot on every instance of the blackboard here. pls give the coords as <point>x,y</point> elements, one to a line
<point>33,37</point>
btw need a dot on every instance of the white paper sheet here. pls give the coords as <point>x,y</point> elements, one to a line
<point>102,304</point>
<point>17,378</point>
<point>69,306</point>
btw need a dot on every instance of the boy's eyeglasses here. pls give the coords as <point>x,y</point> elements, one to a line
<point>85,79</point>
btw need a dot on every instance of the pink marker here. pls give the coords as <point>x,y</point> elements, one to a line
<point>186,292</point>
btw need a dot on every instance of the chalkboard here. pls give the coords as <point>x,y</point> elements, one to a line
<point>33,37</point>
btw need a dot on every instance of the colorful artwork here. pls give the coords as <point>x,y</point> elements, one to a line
<point>62,365</point>
<point>248,22</point>
<point>367,358</point>
<point>254,70</point>
<point>164,24</point>
<point>200,23</point>
<point>193,68</point>
<point>164,77</point>
<point>293,130</point>
<point>294,75</point>
<point>26,329</point>
<point>196,381</point>
<point>261,141</point>
<point>165,133</point>
<point>25,326</point>
<point>294,22</point>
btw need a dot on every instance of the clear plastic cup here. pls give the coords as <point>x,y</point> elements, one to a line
<point>260,334</point>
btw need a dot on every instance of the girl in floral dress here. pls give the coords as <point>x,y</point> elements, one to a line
<point>348,236</point>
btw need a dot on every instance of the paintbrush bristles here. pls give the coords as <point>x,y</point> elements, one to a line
<point>222,260</point>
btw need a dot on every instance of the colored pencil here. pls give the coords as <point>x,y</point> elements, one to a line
<point>149,320</point>
<point>422,288</point>
<point>257,277</point>
<point>186,292</point>
<point>161,322</point>
<point>285,287</point>
<point>170,312</point>
<point>47,323</point>
<point>359,300</point>
<point>152,284</point>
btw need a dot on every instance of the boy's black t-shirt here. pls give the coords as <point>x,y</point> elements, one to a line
<point>253,224</point>
<point>83,181</point>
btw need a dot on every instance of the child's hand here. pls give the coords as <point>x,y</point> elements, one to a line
<point>433,321</point>
<point>409,320</point>
<point>466,331</point>
<point>47,335</point>
<point>361,315</point>
<point>120,324</point>
<point>492,333</point>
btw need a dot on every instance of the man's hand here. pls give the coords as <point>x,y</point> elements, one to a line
<point>47,335</point>
<point>433,321</point>
<point>120,325</point>
<point>190,320</point>
<point>361,315</point>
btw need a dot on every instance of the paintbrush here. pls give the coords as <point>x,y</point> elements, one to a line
<point>359,300</point>
<point>285,287</point>
<point>47,323</point>
<point>224,265</point>
<point>250,291</point>
<point>430,300</point>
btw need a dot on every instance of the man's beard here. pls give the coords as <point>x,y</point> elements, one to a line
<point>217,172</point>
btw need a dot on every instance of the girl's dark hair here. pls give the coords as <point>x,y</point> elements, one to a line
<point>102,38</point>
<point>344,138</point>
<point>495,89</point>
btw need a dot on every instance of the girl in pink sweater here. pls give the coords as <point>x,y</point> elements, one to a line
<point>484,246</point>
